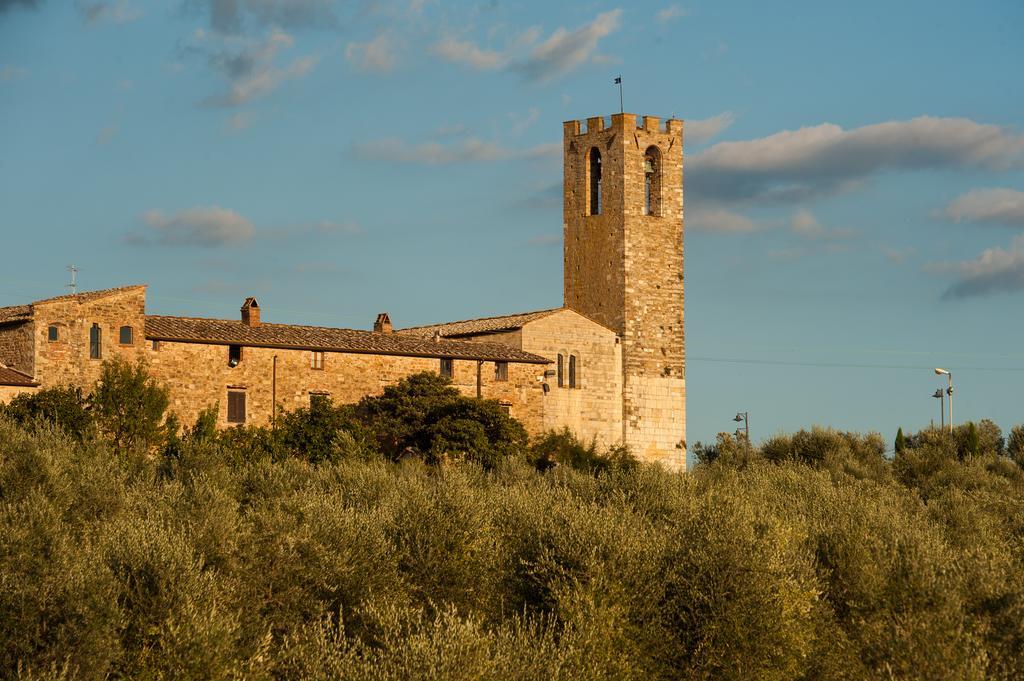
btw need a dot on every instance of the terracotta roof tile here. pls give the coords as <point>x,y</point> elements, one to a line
<point>15,313</point>
<point>230,332</point>
<point>9,376</point>
<point>472,327</point>
<point>21,313</point>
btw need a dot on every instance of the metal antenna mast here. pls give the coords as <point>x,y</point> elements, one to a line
<point>74,275</point>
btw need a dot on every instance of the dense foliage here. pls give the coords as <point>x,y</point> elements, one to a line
<point>311,551</point>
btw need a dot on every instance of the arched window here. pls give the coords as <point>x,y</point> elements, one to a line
<point>561,370</point>
<point>594,178</point>
<point>652,181</point>
<point>573,364</point>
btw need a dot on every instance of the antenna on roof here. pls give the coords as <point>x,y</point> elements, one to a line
<point>74,274</point>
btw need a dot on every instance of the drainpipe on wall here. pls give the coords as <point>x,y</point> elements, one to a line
<point>273,395</point>
<point>479,379</point>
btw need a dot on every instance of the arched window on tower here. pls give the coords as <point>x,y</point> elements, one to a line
<point>652,181</point>
<point>594,178</point>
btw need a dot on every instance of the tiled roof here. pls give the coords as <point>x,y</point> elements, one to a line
<point>473,327</point>
<point>9,376</point>
<point>15,313</point>
<point>88,296</point>
<point>229,332</point>
<point>20,313</point>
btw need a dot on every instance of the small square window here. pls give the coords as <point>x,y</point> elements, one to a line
<point>156,345</point>
<point>126,336</point>
<point>506,407</point>
<point>447,368</point>
<point>52,333</point>
<point>501,371</point>
<point>316,360</point>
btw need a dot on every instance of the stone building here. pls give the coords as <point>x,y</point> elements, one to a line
<point>609,364</point>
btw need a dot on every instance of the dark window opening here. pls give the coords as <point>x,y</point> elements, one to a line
<point>572,371</point>
<point>156,345</point>
<point>316,361</point>
<point>561,370</point>
<point>234,355</point>
<point>594,172</point>
<point>447,368</point>
<point>52,334</point>
<point>501,371</point>
<point>95,342</point>
<point>126,335</point>
<point>652,182</point>
<point>506,407</point>
<point>236,406</point>
<point>319,400</point>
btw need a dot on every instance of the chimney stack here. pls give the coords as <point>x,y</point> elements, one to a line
<point>251,312</point>
<point>383,323</point>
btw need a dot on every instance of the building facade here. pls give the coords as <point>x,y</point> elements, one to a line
<point>609,364</point>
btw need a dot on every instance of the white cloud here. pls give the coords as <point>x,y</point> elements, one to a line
<point>380,55</point>
<point>469,150</point>
<point>559,54</point>
<point>468,54</point>
<point>116,11</point>
<point>234,16</point>
<point>9,72</point>
<point>701,130</point>
<point>200,226</point>
<point>248,65</point>
<point>719,220</point>
<point>806,225</point>
<point>106,135</point>
<point>565,50</point>
<point>999,205</point>
<point>825,159</point>
<point>996,270</point>
<point>670,13</point>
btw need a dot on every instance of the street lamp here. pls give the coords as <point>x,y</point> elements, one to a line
<point>949,391</point>
<point>942,407</point>
<point>744,418</point>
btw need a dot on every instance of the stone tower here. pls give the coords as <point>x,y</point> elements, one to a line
<point>623,221</point>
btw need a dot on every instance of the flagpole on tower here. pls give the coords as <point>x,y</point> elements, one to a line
<point>618,81</point>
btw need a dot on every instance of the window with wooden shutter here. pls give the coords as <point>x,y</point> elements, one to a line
<point>561,370</point>
<point>572,372</point>
<point>447,368</point>
<point>501,371</point>
<point>236,406</point>
<point>316,360</point>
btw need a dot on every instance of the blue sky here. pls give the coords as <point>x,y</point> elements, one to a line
<point>854,176</point>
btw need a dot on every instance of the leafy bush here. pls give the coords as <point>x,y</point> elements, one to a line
<point>64,408</point>
<point>424,416</point>
<point>129,405</point>
<point>561,447</point>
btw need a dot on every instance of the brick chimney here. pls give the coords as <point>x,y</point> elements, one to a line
<point>383,323</point>
<point>251,312</point>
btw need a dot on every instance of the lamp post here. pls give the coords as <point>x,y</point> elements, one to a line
<point>949,391</point>
<point>942,407</point>
<point>744,418</point>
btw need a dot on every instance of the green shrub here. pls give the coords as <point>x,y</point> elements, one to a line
<point>129,405</point>
<point>561,447</point>
<point>62,407</point>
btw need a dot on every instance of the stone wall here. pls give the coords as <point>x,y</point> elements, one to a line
<point>624,269</point>
<point>9,392</point>
<point>66,361</point>
<point>594,409</point>
<point>16,349</point>
<point>198,375</point>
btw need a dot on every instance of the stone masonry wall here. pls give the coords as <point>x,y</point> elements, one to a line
<point>16,349</point>
<point>198,375</point>
<point>9,392</point>
<point>594,409</point>
<point>66,361</point>
<point>624,269</point>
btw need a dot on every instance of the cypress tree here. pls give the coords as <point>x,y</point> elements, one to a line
<point>901,442</point>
